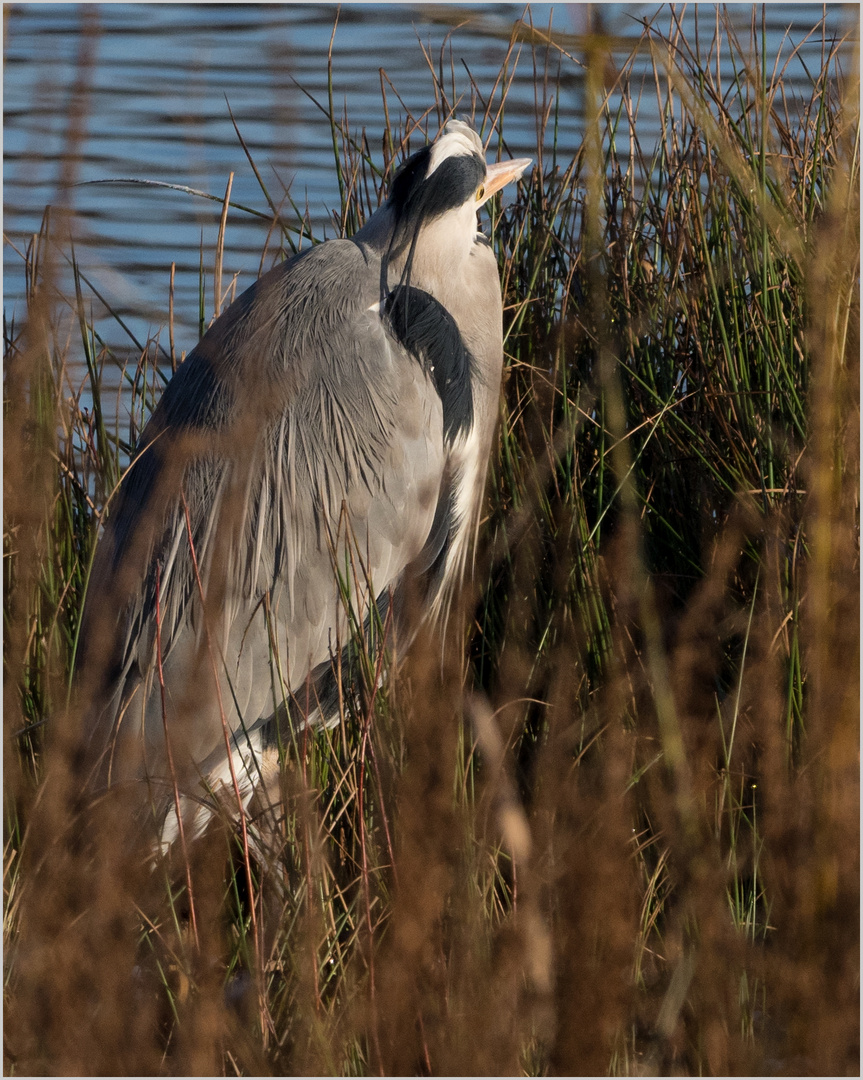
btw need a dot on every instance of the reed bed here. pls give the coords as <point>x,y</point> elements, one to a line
<point>615,829</point>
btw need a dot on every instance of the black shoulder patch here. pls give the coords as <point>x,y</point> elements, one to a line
<point>427,330</point>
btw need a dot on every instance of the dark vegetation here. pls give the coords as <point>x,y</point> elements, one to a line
<point>617,828</point>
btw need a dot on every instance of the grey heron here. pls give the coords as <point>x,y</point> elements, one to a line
<point>325,443</point>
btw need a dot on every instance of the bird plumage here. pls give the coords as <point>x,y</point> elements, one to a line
<point>328,436</point>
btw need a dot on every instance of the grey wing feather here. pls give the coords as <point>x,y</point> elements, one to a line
<point>297,419</point>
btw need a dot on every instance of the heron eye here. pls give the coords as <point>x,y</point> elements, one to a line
<point>480,192</point>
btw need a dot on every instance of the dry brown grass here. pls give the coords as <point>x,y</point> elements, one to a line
<point>617,827</point>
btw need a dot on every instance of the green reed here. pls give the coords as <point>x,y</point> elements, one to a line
<point>646,859</point>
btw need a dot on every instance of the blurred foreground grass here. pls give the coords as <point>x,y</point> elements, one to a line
<point>617,829</point>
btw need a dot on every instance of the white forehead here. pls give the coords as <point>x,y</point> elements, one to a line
<point>458,140</point>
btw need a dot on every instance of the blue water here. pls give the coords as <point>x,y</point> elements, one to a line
<point>153,102</point>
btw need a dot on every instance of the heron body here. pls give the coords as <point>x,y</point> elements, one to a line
<point>326,442</point>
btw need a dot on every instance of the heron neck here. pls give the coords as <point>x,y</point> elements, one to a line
<point>432,260</point>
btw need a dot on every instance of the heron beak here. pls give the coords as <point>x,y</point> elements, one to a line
<point>502,173</point>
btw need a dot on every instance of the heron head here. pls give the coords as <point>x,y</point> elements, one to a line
<point>435,196</point>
